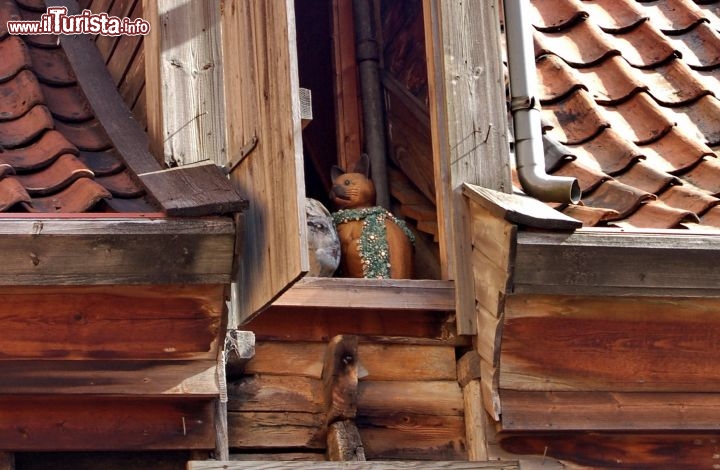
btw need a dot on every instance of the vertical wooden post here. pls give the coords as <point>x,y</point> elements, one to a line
<point>468,370</point>
<point>184,83</point>
<point>469,126</point>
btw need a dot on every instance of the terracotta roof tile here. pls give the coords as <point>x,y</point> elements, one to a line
<point>67,103</point>
<point>39,154</point>
<point>615,15</point>
<point>700,47</point>
<point>706,176</point>
<point>711,217</point>
<point>617,196</point>
<point>557,14</point>
<point>15,57</point>
<point>54,154</point>
<point>18,95</point>
<point>611,80</point>
<point>673,83</point>
<point>639,119</point>
<point>671,16</point>
<point>581,45</point>
<point>80,196</point>
<point>26,128</point>
<point>688,198</point>
<point>643,46</point>
<point>657,214</point>
<point>609,150</point>
<point>647,178</point>
<point>590,216</point>
<point>575,119</point>
<point>631,87</point>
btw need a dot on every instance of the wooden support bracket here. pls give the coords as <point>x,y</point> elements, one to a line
<point>340,378</point>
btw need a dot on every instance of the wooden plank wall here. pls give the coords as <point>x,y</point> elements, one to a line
<point>124,55</point>
<point>409,403</point>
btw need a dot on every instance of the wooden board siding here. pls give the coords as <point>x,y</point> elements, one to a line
<point>92,251</point>
<point>618,344</point>
<point>52,423</point>
<point>111,322</point>
<point>262,105</point>
<point>409,404</point>
<point>124,55</point>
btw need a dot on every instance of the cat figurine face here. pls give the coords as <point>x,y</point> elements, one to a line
<point>355,189</point>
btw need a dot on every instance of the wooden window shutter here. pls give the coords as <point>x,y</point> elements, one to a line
<point>262,102</point>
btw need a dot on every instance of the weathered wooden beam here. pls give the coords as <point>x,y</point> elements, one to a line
<point>41,423</point>
<point>405,294</point>
<point>614,262</point>
<point>193,191</point>
<point>319,324</point>
<point>340,378</point>
<point>278,429</point>
<point>103,377</point>
<point>382,399</point>
<point>619,344</point>
<point>184,77</point>
<point>112,323</point>
<point>469,126</point>
<point>609,411</point>
<point>374,465</point>
<point>344,443</point>
<point>50,251</point>
<point>519,209</point>
<point>239,349</point>
<point>469,373</point>
<point>265,392</point>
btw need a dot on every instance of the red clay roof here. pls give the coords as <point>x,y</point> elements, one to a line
<point>629,93</point>
<point>54,155</point>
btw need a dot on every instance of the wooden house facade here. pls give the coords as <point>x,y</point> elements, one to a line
<point>561,336</point>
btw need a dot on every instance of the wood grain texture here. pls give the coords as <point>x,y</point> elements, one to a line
<point>264,392</point>
<point>262,101</point>
<point>614,344</point>
<point>264,430</point>
<point>193,191</point>
<point>109,322</point>
<point>468,126</point>
<point>404,294</point>
<point>382,399</point>
<point>413,437</point>
<point>683,451</point>
<point>118,378</point>
<point>52,423</point>
<point>298,359</point>
<point>99,88</point>
<point>519,209</point>
<point>610,411</point>
<point>344,443</point>
<point>340,380</point>
<point>374,465</point>
<point>383,326</point>
<point>46,251</point>
<point>185,45</point>
<point>399,362</point>
<point>593,262</point>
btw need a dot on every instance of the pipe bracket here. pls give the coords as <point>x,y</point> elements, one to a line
<point>522,103</point>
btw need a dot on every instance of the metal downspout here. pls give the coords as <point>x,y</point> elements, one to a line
<point>373,102</point>
<point>529,152</point>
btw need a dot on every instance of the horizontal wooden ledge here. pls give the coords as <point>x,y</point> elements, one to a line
<point>110,250</point>
<point>605,262</point>
<point>374,465</point>
<point>389,294</point>
<point>123,378</point>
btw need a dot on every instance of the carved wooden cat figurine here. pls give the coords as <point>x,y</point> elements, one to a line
<point>374,243</point>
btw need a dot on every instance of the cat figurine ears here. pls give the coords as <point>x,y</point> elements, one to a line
<point>362,167</point>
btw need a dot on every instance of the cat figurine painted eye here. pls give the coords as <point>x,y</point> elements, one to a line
<point>374,243</point>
